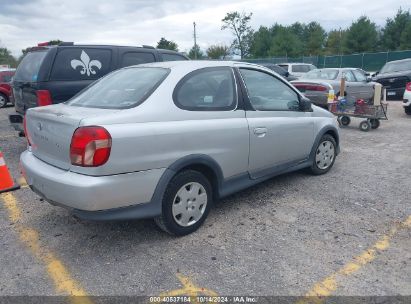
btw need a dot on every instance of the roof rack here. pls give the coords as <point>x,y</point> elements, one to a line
<point>148,46</point>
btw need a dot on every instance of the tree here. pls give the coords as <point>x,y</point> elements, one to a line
<point>361,36</point>
<point>218,51</point>
<point>167,44</point>
<point>261,42</point>
<point>7,58</point>
<point>392,32</point>
<point>405,39</point>
<point>334,42</point>
<point>195,50</point>
<point>285,43</point>
<point>314,38</point>
<point>238,24</point>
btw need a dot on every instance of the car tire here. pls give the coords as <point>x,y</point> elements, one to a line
<point>325,154</point>
<point>3,100</point>
<point>186,203</point>
<point>407,110</point>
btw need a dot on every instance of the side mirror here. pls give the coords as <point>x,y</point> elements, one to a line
<point>305,105</point>
<point>369,78</point>
<point>287,74</point>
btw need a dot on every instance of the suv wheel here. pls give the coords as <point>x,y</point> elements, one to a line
<point>3,100</point>
<point>324,155</point>
<point>407,110</point>
<point>186,203</point>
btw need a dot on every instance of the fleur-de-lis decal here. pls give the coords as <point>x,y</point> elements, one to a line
<point>86,64</point>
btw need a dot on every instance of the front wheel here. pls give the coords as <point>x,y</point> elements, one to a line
<point>186,203</point>
<point>324,155</point>
<point>365,126</point>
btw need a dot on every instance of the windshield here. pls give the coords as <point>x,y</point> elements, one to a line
<point>121,89</point>
<point>322,74</point>
<point>396,66</point>
<point>29,67</point>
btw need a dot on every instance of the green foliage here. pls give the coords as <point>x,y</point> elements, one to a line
<point>218,51</point>
<point>195,53</point>
<point>285,43</point>
<point>361,36</point>
<point>167,44</point>
<point>239,26</point>
<point>7,58</point>
<point>392,33</point>
<point>405,39</point>
<point>334,42</point>
<point>314,38</point>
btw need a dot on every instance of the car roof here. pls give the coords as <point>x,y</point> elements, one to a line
<point>401,60</point>
<point>196,64</point>
<point>299,63</point>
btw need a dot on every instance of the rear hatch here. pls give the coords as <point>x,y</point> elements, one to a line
<point>25,80</point>
<point>51,128</point>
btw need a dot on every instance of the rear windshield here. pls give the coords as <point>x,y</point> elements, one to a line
<point>29,67</point>
<point>121,89</point>
<point>322,74</point>
<point>398,66</point>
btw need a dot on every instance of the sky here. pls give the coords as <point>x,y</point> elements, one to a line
<point>25,23</point>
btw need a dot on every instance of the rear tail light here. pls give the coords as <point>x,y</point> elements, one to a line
<point>43,98</point>
<point>25,130</point>
<point>90,146</point>
<point>311,87</point>
<point>43,43</point>
<point>408,86</point>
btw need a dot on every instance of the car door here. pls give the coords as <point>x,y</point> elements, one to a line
<point>365,89</point>
<point>280,134</point>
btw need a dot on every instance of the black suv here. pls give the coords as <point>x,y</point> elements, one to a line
<point>394,76</point>
<point>53,74</point>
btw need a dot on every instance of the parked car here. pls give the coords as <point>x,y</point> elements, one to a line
<point>53,74</point>
<point>6,95</point>
<point>319,84</point>
<point>279,70</point>
<point>407,99</point>
<point>297,69</point>
<point>165,140</point>
<point>394,76</point>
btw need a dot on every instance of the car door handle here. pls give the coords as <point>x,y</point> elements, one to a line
<point>260,132</point>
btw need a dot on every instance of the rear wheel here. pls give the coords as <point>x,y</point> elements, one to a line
<point>324,155</point>
<point>407,110</point>
<point>3,100</point>
<point>186,203</point>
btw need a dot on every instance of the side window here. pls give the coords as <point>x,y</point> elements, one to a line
<point>267,93</point>
<point>301,68</point>
<point>81,64</point>
<point>209,89</point>
<point>349,76</point>
<point>7,77</point>
<point>360,76</point>
<point>173,57</point>
<point>133,58</point>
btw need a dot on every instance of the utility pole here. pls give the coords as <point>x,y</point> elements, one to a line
<point>195,41</point>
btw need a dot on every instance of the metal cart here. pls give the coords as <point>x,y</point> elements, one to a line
<point>372,114</point>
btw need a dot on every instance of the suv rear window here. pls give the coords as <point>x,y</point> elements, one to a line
<point>29,67</point>
<point>301,68</point>
<point>122,89</point>
<point>81,64</point>
<point>133,58</point>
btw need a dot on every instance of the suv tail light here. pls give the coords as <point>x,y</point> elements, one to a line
<point>43,98</point>
<point>90,146</point>
<point>408,86</point>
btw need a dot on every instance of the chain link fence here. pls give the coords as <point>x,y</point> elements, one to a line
<point>366,61</point>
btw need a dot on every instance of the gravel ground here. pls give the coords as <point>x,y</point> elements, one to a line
<point>277,238</point>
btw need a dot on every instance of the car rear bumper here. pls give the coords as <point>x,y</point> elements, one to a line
<point>85,194</point>
<point>395,94</point>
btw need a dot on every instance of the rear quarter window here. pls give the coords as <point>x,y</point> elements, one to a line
<point>81,64</point>
<point>133,58</point>
<point>301,68</point>
<point>173,57</point>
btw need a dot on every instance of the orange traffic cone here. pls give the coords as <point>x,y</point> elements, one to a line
<point>6,181</point>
